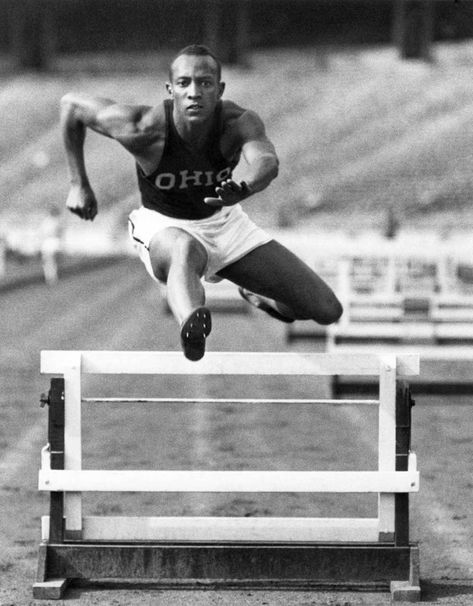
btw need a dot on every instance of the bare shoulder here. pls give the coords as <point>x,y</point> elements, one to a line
<point>134,124</point>
<point>121,121</point>
<point>241,122</point>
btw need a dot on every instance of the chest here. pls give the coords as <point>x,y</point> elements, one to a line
<point>173,154</point>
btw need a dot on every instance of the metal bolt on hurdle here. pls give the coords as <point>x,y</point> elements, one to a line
<point>238,552</point>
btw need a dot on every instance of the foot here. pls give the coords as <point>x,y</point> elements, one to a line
<point>194,331</point>
<point>264,304</point>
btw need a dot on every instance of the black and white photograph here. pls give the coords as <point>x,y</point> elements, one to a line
<point>236,302</point>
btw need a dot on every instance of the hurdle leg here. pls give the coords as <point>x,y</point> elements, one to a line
<point>49,588</point>
<point>407,591</point>
<point>387,442</point>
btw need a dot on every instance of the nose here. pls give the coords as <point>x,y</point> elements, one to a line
<point>193,92</point>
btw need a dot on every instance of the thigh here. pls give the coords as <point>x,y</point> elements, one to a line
<point>274,271</point>
<point>175,246</point>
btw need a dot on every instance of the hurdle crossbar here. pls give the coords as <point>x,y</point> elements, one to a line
<point>430,355</point>
<point>286,551</point>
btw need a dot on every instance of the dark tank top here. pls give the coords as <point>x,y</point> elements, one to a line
<point>183,178</point>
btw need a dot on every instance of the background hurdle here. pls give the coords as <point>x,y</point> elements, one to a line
<point>293,552</point>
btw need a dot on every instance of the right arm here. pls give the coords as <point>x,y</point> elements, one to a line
<point>120,122</point>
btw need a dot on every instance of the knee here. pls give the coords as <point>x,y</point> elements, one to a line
<point>329,313</point>
<point>181,253</point>
<point>190,254</point>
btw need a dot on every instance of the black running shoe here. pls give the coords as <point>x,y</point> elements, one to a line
<point>194,331</point>
<point>260,303</point>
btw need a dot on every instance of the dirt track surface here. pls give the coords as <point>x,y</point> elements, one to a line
<point>117,308</point>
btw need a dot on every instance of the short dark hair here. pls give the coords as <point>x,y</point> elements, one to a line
<point>199,50</point>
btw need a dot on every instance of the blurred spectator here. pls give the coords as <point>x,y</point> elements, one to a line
<point>392,224</point>
<point>51,233</point>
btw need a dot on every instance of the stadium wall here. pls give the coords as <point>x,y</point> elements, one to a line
<point>108,25</point>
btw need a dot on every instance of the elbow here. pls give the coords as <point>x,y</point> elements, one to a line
<point>67,107</point>
<point>70,103</point>
<point>275,169</point>
<point>70,113</point>
<point>67,100</point>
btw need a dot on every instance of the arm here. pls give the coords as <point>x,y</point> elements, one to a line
<point>79,112</point>
<point>260,156</point>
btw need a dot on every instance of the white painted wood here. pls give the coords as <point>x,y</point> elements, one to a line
<point>243,401</point>
<point>454,330</point>
<point>248,363</point>
<point>454,300</point>
<point>73,438</point>
<point>46,457</point>
<point>386,512</point>
<point>412,461</point>
<point>452,315</point>
<point>424,352</point>
<point>128,528</point>
<point>228,481</point>
<point>386,481</point>
<point>385,330</point>
<point>376,314</point>
<point>387,438</point>
<point>344,290</point>
<point>392,300</point>
<point>391,275</point>
<point>49,590</point>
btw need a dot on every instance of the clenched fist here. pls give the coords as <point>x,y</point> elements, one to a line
<point>82,202</point>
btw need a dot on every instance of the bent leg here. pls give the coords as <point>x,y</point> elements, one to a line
<point>273,271</point>
<point>179,260</point>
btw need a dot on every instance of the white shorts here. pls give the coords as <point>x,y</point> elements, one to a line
<point>227,236</point>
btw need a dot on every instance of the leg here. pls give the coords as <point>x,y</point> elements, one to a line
<point>179,260</point>
<point>275,272</point>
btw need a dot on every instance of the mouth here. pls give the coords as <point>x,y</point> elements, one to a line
<point>195,107</point>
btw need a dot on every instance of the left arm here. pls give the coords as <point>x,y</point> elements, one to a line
<point>262,162</point>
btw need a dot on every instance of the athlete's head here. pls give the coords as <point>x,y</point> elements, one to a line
<point>197,50</point>
<point>194,82</point>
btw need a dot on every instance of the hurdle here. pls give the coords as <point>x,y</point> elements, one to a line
<point>432,354</point>
<point>393,293</point>
<point>239,552</point>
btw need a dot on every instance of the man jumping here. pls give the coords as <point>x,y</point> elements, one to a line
<point>191,224</point>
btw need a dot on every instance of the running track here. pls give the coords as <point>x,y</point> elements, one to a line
<point>116,308</point>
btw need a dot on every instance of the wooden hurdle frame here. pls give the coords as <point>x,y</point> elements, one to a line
<point>303,553</point>
<point>399,309</point>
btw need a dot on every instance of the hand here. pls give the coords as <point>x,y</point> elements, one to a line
<point>82,202</point>
<point>229,193</point>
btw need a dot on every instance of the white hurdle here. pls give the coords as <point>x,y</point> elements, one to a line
<point>235,551</point>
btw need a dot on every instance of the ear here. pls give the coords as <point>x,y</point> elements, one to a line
<point>169,88</point>
<point>221,87</point>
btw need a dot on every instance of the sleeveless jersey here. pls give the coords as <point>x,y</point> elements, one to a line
<point>183,178</point>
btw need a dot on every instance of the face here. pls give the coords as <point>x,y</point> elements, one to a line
<point>195,87</point>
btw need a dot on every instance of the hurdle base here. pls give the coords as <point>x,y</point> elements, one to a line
<point>53,589</point>
<point>302,566</point>
<point>403,591</point>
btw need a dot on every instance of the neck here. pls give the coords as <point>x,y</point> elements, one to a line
<point>193,133</point>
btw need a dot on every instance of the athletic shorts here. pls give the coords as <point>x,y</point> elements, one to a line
<point>227,236</point>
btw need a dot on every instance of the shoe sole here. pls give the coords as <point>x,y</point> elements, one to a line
<point>194,332</point>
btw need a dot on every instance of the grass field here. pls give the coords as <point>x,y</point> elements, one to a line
<point>357,131</point>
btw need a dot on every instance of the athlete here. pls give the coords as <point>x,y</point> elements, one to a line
<point>191,224</point>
